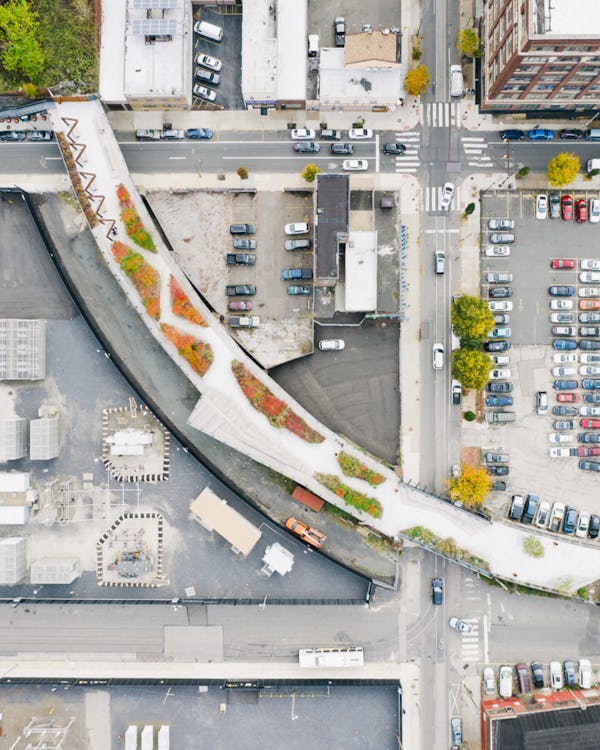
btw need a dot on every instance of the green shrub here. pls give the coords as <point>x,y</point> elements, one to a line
<point>470,416</point>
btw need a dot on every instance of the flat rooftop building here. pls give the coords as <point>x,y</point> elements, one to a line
<point>331,225</point>
<point>216,515</point>
<point>13,438</point>
<point>22,349</point>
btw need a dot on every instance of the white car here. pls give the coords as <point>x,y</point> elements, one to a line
<point>500,306</point>
<point>585,674</point>
<point>561,304</point>
<point>204,93</point>
<point>589,291</point>
<point>447,195</point>
<point>301,227</point>
<point>500,374</point>
<point>541,206</point>
<point>497,251</point>
<point>543,512</point>
<point>438,356</point>
<point>212,63</point>
<point>589,277</point>
<point>592,370</point>
<point>562,372</point>
<point>359,134</point>
<point>500,360</point>
<point>590,264</point>
<point>331,345</point>
<point>562,317</point>
<point>355,165</point>
<point>589,411</point>
<point>583,524</point>
<point>302,134</point>
<point>489,680</point>
<point>589,359</point>
<point>506,681</point>
<point>559,437</point>
<point>594,211</point>
<point>562,358</point>
<point>559,452</point>
<point>556,678</point>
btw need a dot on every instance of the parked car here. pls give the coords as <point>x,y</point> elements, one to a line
<point>585,674</point>
<point>566,207</point>
<point>589,317</point>
<point>208,76</point>
<point>500,373</point>
<point>589,331</point>
<point>589,411</point>
<point>556,516</point>
<point>583,518</point>
<point>12,135</point>
<point>512,135</point>
<point>204,93</point>
<point>456,728</point>
<point>303,134</point>
<point>564,411</point>
<point>564,344</point>
<point>561,304</point>
<point>540,134</point>
<point>500,291</point>
<point>341,148</point>
<point>530,509</point>
<point>561,372</point>
<point>240,290</point>
<point>591,384</point>
<point>244,321</point>
<point>589,437</point>
<point>298,244</point>
<point>571,134</point>
<point>359,134</point>
<point>394,148</point>
<point>561,291</point>
<point>586,451</point>
<point>543,511</point>
<point>589,344</point>
<point>562,358</point>
<point>240,259</point>
<point>564,424</point>
<point>330,135</point>
<point>537,674</point>
<point>447,195</point>
<point>198,133</point>
<point>563,330</point>
<point>208,62</point>
<point>242,229</point>
<point>591,398</point>
<point>456,392</point>
<point>589,277</point>
<point>569,669</point>
<point>499,387</point>
<point>489,681</point>
<point>501,306</point>
<point>437,590</point>
<point>438,356</point>
<point>564,263</point>
<point>506,681</point>
<point>355,165</point>
<point>559,437</point>
<point>501,224</point>
<point>306,147</point>
<point>541,206</point>
<point>500,238</point>
<point>242,244</point>
<point>301,227</point>
<point>556,680</point>
<point>332,345</point>
<point>590,264</point>
<point>498,401</point>
<point>289,274</point>
<point>554,205</point>
<point>594,211</point>
<point>495,458</point>
<point>498,486</point>
<point>567,398</point>
<point>242,304</point>
<point>580,211</point>
<point>294,289</point>
<point>589,304</point>
<point>565,385</point>
<point>594,529</point>
<point>45,135</point>
<point>523,678</point>
<point>569,521</point>
<point>499,278</point>
<point>460,625</point>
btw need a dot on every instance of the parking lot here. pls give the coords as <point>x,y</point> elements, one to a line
<point>228,51</point>
<point>532,357</point>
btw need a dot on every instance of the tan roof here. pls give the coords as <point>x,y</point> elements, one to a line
<point>215,515</point>
<point>371,48</point>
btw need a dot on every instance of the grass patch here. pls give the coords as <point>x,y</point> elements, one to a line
<point>286,484</point>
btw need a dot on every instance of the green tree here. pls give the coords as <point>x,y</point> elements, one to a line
<point>417,80</point>
<point>533,547</point>
<point>471,487</point>
<point>563,169</point>
<point>19,32</point>
<point>471,318</point>
<point>242,173</point>
<point>309,172</point>
<point>471,368</point>
<point>468,43</point>
<point>524,171</point>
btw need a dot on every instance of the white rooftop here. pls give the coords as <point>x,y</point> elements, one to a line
<point>361,272</point>
<point>358,85</point>
<point>570,17</point>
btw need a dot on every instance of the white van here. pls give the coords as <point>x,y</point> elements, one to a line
<point>208,31</point>
<point>593,164</point>
<point>457,84</point>
<point>313,45</point>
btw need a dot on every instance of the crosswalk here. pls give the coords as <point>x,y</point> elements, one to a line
<point>441,114</point>
<point>471,647</point>
<point>409,161</point>
<point>475,151</point>
<point>431,198</point>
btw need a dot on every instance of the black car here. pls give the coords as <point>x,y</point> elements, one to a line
<point>242,229</point>
<point>394,148</point>
<point>594,527</point>
<point>569,670</point>
<point>571,134</point>
<point>499,486</point>
<point>498,471</point>
<point>341,148</point>
<point>588,437</point>
<point>499,291</point>
<point>496,346</point>
<point>512,135</point>
<point>12,135</point>
<point>503,387</point>
<point>531,505</point>
<point>306,147</point>
<point>569,521</point>
<point>537,673</point>
<point>437,590</point>
<point>240,290</point>
<point>554,205</point>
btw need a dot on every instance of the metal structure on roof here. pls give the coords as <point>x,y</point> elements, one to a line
<point>154,26</point>
<point>154,4</point>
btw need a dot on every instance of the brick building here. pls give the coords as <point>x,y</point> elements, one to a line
<point>540,57</point>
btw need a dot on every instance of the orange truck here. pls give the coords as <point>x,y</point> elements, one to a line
<point>306,533</point>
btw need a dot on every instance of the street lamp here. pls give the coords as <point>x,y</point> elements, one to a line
<point>592,120</point>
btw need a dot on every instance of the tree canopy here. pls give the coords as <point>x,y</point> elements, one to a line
<point>417,80</point>
<point>471,367</point>
<point>468,43</point>
<point>19,31</point>
<point>563,169</point>
<point>471,487</point>
<point>471,318</point>
<point>309,172</point>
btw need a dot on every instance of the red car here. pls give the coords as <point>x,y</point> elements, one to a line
<point>580,211</point>
<point>567,398</point>
<point>562,263</point>
<point>240,304</point>
<point>566,207</point>
<point>590,424</point>
<point>593,450</point>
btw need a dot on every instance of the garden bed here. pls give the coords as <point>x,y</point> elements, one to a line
<point>358,500</point>
<point>133,224</point>
<point>352,467</point>
<point>181,305</point>
<point>144,277</point>
<point>196,353</point>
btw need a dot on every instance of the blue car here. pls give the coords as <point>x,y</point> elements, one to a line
<point>565,385</point>
<point>512,135</point>
<point>591,384</point>
<point>199,133</point>
<point>539,134</point>
<point>498,401</point>
<point>569,522</point>
<point>561,291</point>
<point>591,398</point>
<point>564,344</point>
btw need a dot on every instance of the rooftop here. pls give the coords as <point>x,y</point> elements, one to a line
<point>331,220</point>
<point>566,18</point>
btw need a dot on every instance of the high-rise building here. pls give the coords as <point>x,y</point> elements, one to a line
<point>540,57</point>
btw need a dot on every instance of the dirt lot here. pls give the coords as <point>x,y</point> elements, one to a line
<point>197,226</point>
